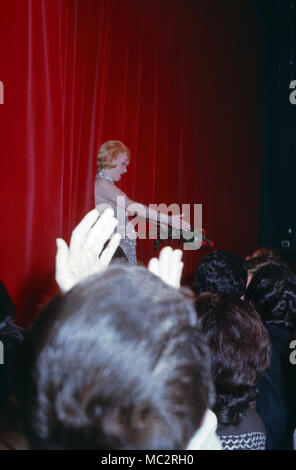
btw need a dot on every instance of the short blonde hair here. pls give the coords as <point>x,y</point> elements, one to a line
<point>108,152</point>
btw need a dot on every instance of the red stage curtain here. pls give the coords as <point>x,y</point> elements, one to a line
<point>178,81</point>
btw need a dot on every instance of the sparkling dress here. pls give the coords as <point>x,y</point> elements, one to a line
<point>126,229</point>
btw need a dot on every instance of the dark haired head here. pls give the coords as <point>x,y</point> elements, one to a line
<point>272,292</point>
<point>11,336</point>
<point>240,352</point>
<point>221,271</point>
<point>257,262</point>
<point>117,363</point>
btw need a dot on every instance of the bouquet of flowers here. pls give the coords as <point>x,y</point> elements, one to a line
<point>198,237</point>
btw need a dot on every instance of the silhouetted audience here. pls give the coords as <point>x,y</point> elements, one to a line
<point>272,292</point>
<point>240,353</point>
<point>118,362</point>
<point>11,336</point>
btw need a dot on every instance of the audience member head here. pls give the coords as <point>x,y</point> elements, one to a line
<point>272,292</point>
<point>240,351</point>
<point>109,152</point>
<point>11,336</point>
<point>255,263</point>
<point>118,362</point>
<point>221,271</point>
<point>264,251</point>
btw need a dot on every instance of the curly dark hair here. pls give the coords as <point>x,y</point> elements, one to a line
<point>272,292</point>
<point>119,362</point>
<point>240,350</point>
<point>221,271</point>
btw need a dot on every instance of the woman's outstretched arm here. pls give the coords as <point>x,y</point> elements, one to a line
<point>113,194</point>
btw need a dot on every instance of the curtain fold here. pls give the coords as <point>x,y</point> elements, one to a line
<point>178,81</point>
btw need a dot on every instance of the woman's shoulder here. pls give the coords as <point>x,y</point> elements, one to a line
<point>105,185</point>
<point>107,189</point>
<point>108,193</point>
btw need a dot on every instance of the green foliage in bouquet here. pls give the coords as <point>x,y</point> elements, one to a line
<point>169,234</point>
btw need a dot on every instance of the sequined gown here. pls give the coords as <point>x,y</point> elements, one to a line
<point>126,229</point>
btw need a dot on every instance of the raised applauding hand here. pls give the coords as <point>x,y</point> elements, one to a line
<point>85,255</point>
<point>168,266</point>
